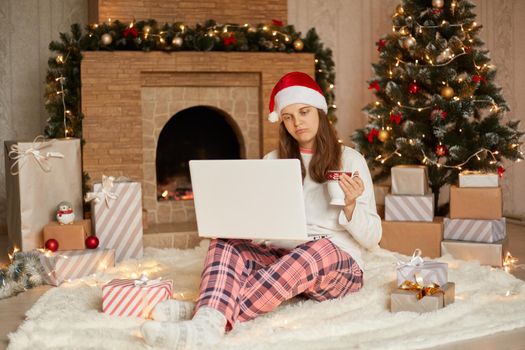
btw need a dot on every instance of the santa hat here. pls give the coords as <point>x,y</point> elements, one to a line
<point>295,87</point>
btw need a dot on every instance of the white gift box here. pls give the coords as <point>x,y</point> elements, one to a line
<point>478,179</point>
<point>422,272</point>
<point>487,231</point>
<point>409,180</point>
<point>409,208</point>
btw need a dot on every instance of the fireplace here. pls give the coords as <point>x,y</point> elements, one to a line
<point>199,132</point>
<point>134,102</point>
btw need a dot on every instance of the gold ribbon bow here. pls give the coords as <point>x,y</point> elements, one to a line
<point>106,193</point>
<point>42,158</point>
<point>431,289</point>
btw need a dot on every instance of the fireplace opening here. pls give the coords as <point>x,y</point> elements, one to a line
<point>194,133</point>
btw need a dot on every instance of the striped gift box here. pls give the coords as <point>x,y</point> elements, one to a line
<point>71,264</point>
<point>429,271</point>
<point>409,208</point>
<point>136,298</point>
<point>487,231</point>
<point>118,222</point>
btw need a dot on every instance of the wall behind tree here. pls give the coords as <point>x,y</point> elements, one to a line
<point>352,27</point>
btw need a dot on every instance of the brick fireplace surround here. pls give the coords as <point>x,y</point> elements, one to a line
<point>128,97</point>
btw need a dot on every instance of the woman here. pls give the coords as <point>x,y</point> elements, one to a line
<point>243,279</point>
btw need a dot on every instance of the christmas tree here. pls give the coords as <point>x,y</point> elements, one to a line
<point>437,103</point>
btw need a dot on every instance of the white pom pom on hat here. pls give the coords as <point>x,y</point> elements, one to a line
<point>295,87</point>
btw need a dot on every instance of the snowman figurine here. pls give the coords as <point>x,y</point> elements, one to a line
<point>65,214</point>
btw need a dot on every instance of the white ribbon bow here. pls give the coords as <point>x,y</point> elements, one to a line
<point>105,193</point>
<point>144,281</point>
<point>416,259</point>
<point>20,155</point>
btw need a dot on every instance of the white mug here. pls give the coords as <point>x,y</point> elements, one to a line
<point>337,196</point>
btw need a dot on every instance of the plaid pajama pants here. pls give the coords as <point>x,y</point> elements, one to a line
<point>242,279</point>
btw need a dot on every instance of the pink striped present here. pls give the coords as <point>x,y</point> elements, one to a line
<point>134,297</point>
<point>117,216</point>
<point>71,264</point>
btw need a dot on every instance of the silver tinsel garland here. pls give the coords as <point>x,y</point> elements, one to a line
<point>24,272</point>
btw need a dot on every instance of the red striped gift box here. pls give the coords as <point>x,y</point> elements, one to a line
<point>71,264</point>
<point>136,298</point>
<point>118,221</point>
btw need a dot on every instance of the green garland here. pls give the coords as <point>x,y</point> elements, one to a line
<point>63,97</point>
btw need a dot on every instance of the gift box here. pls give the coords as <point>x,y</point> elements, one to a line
<point>137,298</point>
<point>39,175</point>
<point>116,213</point>
<point>409,208</point>
<point>409,180</point>
<point>70,264</point>
<point>476,203</point>
<point>478,179</point>
<point>405,237</point>
<point>486,253</point>
<point>69,237</point>
<point>422,272</point>
<point>412,300</point>
<point>487,231</point>
<point>380,192</point>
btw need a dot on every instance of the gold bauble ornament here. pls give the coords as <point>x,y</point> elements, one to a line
<point>146,29</point>
<point>409,42</point>
<point>400,10</point>
<point>298,44</point>
<point>447,92</point>
<point>383,135</point>
<point>177,41</point>
<point>438,3</point>
<point>106,39</point>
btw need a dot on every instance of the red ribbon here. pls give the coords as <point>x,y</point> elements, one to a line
<point>396,117</point>
<point>374,85</point>
<point>373,133</point>
<point>229,40</point>
<point>501,170</point>
<point>133,31</point>
<point>277,23</point>
<point>479,78</point>
<point>381,44</point>
<point>67,211</point>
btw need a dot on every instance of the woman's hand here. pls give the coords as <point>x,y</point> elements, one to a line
<point>352,187</point>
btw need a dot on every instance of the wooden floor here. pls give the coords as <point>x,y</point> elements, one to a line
<point>12,310</point>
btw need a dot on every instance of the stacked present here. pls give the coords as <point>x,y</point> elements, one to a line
<point>409,213</point>
<point>422,286</point>
<point>475,228</point>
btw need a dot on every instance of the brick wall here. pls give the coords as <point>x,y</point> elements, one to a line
<point>113,88</point>
<point>189,11</point>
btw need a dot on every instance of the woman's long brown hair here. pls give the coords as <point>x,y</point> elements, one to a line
<point>327,149</point>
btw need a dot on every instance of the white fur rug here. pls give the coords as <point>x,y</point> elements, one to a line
<point>487,301</point>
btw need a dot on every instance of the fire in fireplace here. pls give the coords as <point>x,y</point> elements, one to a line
<point>199,132</point>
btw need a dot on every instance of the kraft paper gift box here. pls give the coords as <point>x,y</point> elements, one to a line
<point>485,253</point>
<point>487,231</point>
<point>409,180</point>
<point>407,300</point>
<point>409,208</point>
<point>136,298</point>
<point>476,203</point>
<point>69,237</point>
<point>405,237</point>
<point>422,272</point>
<point>116,213</point>
<point>478,179</point>
<point>40,175</point>
<point>71,264</point>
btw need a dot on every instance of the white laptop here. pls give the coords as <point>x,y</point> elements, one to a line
<point>249,199</point>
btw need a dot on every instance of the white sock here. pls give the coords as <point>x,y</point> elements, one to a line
<point>205,329</point>
<point>173,310</point>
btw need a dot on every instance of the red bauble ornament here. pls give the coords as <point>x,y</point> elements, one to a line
<point>92,242</point>
<point>441,150</point>
<point>413,88</point>
<point>52,245</point>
